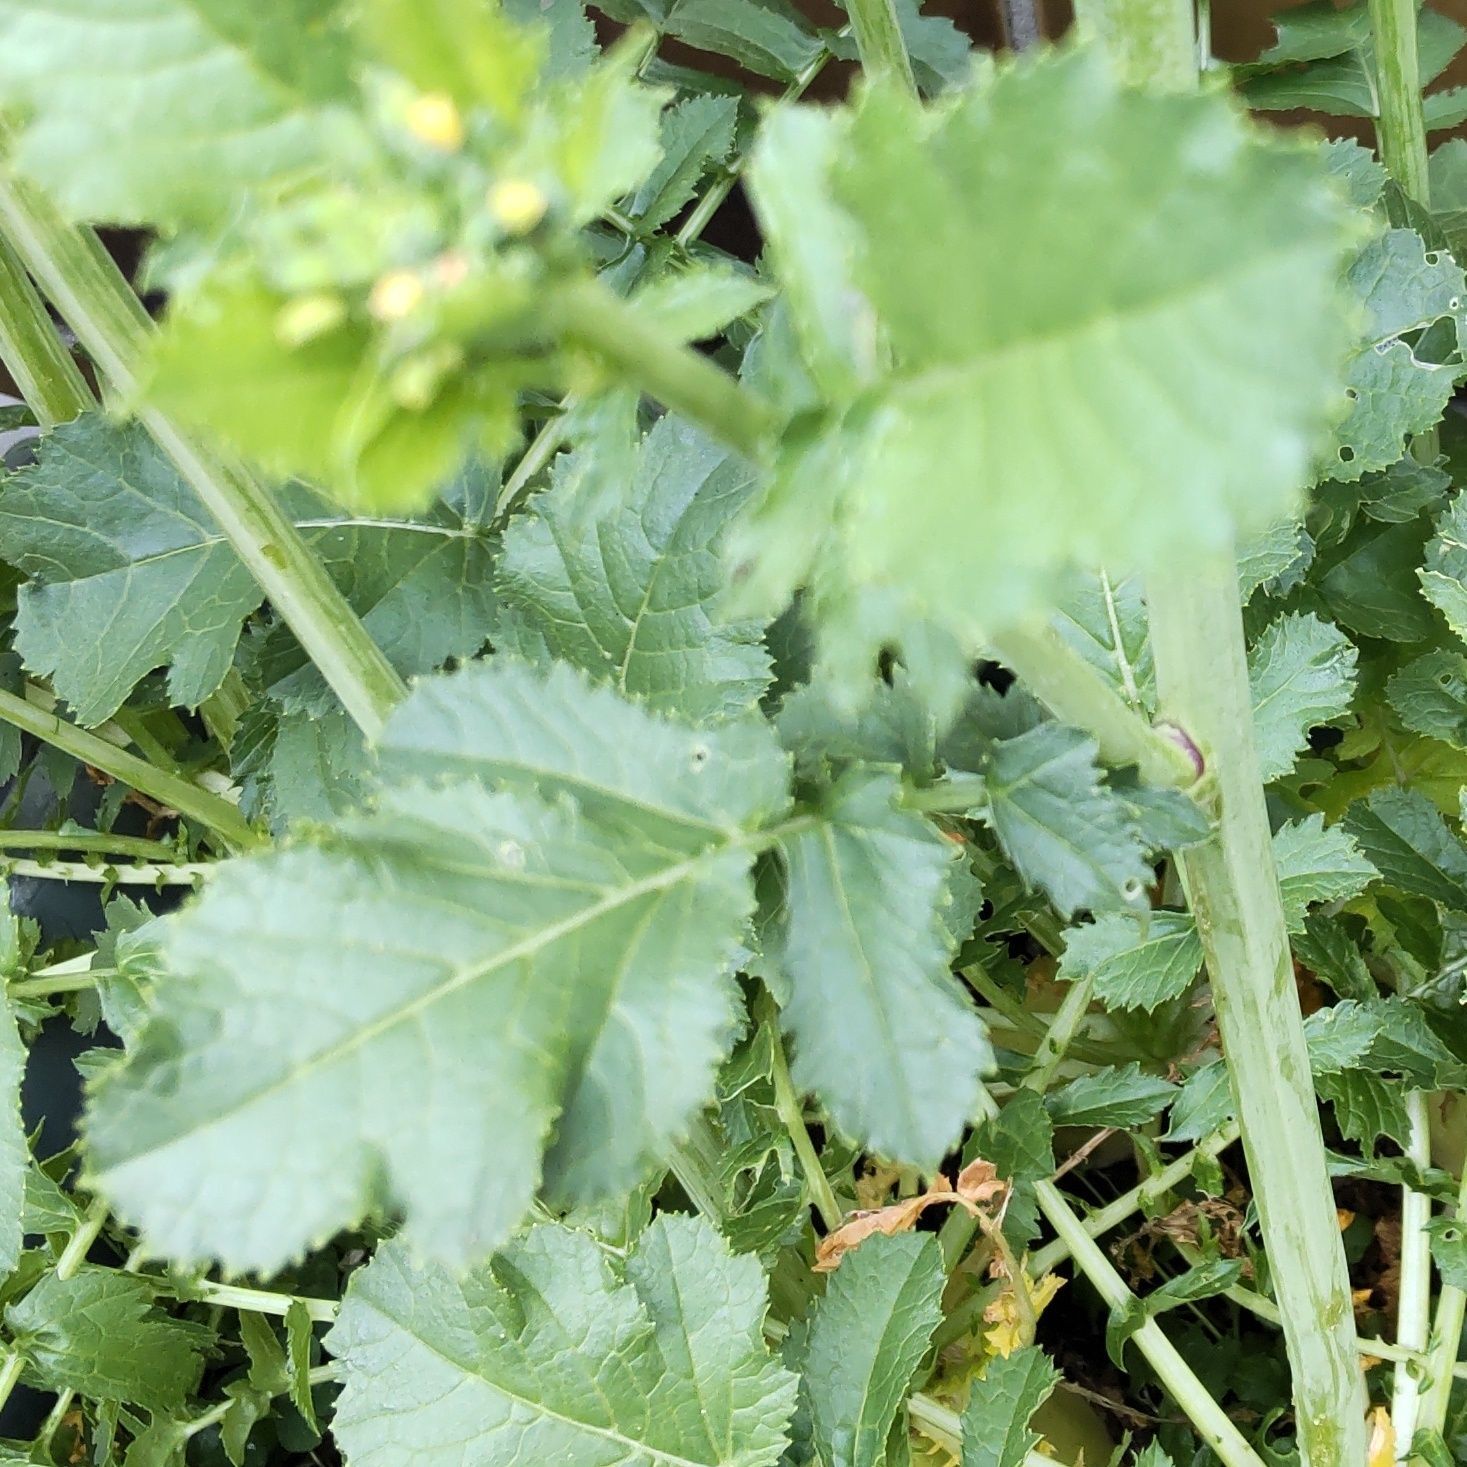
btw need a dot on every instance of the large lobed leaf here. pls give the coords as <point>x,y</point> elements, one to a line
<point>457,974</point>
<point>1003,246</point>
<point>551,1357</point>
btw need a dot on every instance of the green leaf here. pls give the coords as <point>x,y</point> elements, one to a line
<point>1401,834</point>
<point>991,322</point>
<point>1105,622</point>
<point>1366,1106</point>
<point>1316,863</point>
<point>881,1032</point>
<point>15,1152</point>
<point>1449,1250</point>
<point>99,1334</point>
<point>1340,1036</point>
<point>1214,1276</point>
<point>1401,287</point>
<point>1134,965</point>
<point>1406,1044</point>
<point>1000,1402</point>
<point>1444,576</point>
<point>1121,1097</point>
<point>767,36</point>
<point>130,572</point>
<point>412,936</point>
<point>1429,696</point>
<point>1204,1103</point>
<point>551,730</point>
<point>867,1337</point>
<point>299,1332</point>
<point>1372,587</point>
<point>230,98</point>
<point>1063,829</point>
<point>697,135</point>
<point>549,1356</point>
<point>1302,673</point>
<point>1019,1141</point>
<point>616,568</point>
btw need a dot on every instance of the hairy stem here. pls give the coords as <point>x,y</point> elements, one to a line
<point>595,318</point>
<point>1076,693</point>
<point>1202,677</point>
<point>1400,128</point>
<point>172,790</point>
<point>44,370</point>
<point>109,321</point>
<point>880,44</point>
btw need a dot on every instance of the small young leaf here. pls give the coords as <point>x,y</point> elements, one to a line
<point>1063,829</point>
<point>1134,965</point>
<point>1317,863</point>
<point>868,1335</point>
<point>1302,673</point>
<point>1119,1097</point>
<point>996,1421</point>
<point>1401,834</point>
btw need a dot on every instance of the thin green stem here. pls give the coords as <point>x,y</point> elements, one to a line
<point>317,1375</point>
<point>87,288</point>
<point>1060,1034</point>
<point>85,840</point>
<point>30,346</point>
<point>171,790</point>
<point>263,1301</point>
<point>787,1104</point>
<point>1400,128</point>
<point>1076,693</point>
<point>93,1220</point>
<point>880,44</point>
<point>1413,1308</point>
<point>61,983</point>
<point>1212,1423</point>
<point>10,1371</point>
<point>1202,678</point>
<point>597,319</point>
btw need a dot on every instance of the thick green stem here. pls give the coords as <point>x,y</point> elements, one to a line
<point>879,43</point>
<point>110,323</point>
<point>1400,128</point>
<point>171,790</point>
<point>1076,693</point>
<point>1202,678</point>
<point>46,373</point>
<point>263,1301</point>
<point>597,319</point>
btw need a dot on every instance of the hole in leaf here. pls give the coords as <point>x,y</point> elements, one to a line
<point>1352,394</point>
<point>1433,257</point>
<point>1347,455</point>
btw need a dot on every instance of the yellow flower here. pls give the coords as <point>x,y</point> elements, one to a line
<point>517,205</point>
<point>395,295</point>
<point>433,118</point>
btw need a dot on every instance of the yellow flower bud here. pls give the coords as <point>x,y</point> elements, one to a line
<point>309,316</point>
<point>395,295</point>
<point>433,118</point>
<point>517,205</point>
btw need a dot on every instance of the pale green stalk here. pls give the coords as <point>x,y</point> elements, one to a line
<point>85,840</point>
<point>93,1220</point>
<point>110,323</point>
<point>1413,1308</point>
<point>1060,1034</point>
<point>1202,679</point>
<point>1077,694</point>
<point>879,43</point>
<point>183,873</point>
<point>594,317</point>
<point>171,790</point>
<point>1400,127</point>
<point>44,370</point>
<point>1445,1344</point>
<point>263,1301</point>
